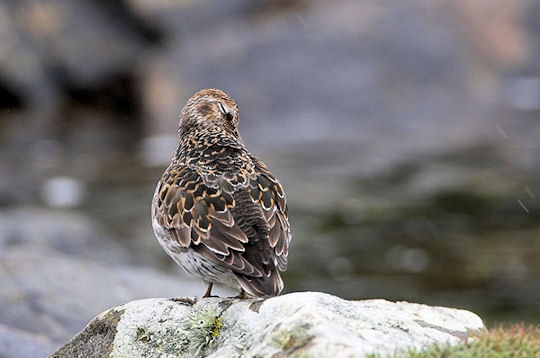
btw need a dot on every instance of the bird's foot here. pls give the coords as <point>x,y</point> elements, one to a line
<point>242,295</point>
<point>208,292</point>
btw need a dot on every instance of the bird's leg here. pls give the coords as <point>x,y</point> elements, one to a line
<point>208,292</point>
<point>242,295</point>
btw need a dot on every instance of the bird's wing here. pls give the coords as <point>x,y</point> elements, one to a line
<point>261,212</point>
<point>238,221</point>
<point>266,191</point>
<point>199,216</point>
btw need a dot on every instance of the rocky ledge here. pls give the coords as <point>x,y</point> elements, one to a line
<point>297,324</point>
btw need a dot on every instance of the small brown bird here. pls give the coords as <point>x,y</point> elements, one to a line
<point>217,210</point>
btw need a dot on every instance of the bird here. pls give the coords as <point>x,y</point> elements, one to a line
<point>217,210</point>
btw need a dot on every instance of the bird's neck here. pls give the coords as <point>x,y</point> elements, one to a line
<point>207,143</point>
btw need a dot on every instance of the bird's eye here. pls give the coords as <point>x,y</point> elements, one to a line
<point>222,108</point>
<point>225,111</point>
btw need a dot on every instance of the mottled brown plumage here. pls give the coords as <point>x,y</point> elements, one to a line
<point>217,210</point>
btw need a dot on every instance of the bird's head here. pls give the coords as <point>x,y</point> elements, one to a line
<point>210,108</point>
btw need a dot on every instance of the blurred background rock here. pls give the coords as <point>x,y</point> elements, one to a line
<point>406,134</point>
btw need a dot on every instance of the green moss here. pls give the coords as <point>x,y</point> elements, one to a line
<point>514,341</point>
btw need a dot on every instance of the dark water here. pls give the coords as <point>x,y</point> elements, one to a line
<point>457,249</point>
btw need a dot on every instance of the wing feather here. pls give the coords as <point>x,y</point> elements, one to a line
<point>238,221</point>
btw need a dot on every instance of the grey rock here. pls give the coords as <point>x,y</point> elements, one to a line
<point>15,343</point>
<point>335,84</point>
<point>68,233</point>
<point>55,295</point>
<point>96,338</point>
<point>59,269</point>
<point>48,44</point>
<point>305,323</point>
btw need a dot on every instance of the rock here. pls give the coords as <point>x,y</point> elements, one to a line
<point>47,47</point>
<point>300,324</point>
<point>55,295</point>
<point>58,270</point>
<point>15,343</point>
<point>69,233</point>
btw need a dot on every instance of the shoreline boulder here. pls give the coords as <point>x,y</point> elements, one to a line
<point>311,323</point>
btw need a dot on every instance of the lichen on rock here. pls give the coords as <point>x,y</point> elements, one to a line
<point>298,324</point>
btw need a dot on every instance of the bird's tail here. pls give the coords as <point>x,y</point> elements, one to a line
<point>264,286</point>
